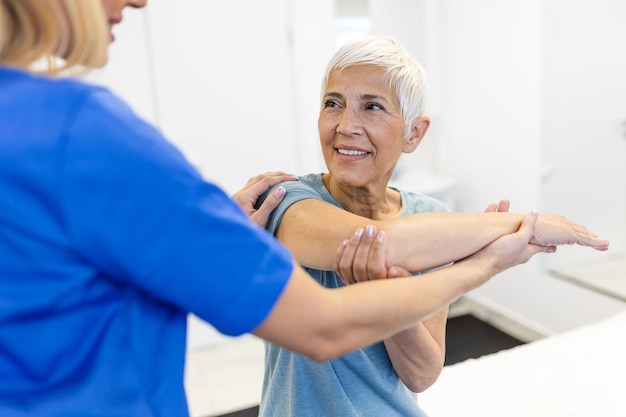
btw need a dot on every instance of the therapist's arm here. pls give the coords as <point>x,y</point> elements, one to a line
<point>312,229</point>
<point>417,354</point>
<point>325,323</point>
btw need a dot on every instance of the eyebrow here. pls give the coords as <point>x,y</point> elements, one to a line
<point>333,95</point>
<point>372,97</point>
<point>362,97</point>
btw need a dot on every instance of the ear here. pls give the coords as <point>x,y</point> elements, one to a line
<point>418,131</point>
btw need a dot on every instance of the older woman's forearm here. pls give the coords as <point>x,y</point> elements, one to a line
<point>312,229</point>
<point>418,354</point>
<point>426,240</point>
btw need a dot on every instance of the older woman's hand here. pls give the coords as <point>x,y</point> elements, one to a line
<point>254,188</point>
<point>553,230</point>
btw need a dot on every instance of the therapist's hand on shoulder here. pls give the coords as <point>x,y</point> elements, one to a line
<point>255,187</point>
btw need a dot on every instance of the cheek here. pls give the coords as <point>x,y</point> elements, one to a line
<point>394,131</point>
<point>325,127</point>
<point>112,7</point>
<point>388,140</point>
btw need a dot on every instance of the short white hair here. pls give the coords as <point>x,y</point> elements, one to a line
<point>403,72</point>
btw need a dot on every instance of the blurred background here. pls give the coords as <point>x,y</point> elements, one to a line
<point>527,101</point>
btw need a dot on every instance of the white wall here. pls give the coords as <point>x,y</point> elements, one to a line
<point>128,71</point>
<point>491,138</point>
<point>224,85</point>
<point>227,86</point>
<point>414,23</point>
<point>584,127</point>
<point>236,84</point>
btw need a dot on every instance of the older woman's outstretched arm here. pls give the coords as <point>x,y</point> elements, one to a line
<point>312,229</point>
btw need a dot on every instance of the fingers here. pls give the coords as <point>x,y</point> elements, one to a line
<point>270,178</point>
<point>262,214</point>
<point>503,206</point>
<point>397,271</point>
<point>362,257</point>
<point>545,249</point>
<point>586,238</point>
<point>256,186</point>
<point>527,228</point>
<point>600,244</point>
<point>491,208</point>
<point>526,232</point>
<point>371,256</point>
<point>248,196</point>
<point>499,207</point>
<point>515,248</point>
<point>558,230</point>
<point>339,263</point>
<point>345,257</point>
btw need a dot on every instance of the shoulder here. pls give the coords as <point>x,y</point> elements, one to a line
<point>98,121</point>
<point>42,98</point>
<point>309,182</point>
<point>307,187</point>
<point>417,202</point>
<point>62,102</point>
<point>63,91</point>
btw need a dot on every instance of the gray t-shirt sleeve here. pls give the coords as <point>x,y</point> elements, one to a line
<point>295,191</point>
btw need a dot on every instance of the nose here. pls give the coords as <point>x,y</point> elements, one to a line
<point>349,123</point>
<point>137,4</point>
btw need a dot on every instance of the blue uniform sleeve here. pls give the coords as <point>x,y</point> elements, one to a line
<point>136,209</point>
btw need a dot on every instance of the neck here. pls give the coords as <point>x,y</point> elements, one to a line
<point>374,201</point>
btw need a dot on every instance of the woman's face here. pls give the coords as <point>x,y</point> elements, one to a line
<point>113,10</point>
<point>361,126</point>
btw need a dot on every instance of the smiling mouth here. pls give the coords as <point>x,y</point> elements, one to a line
<point>351,152</point>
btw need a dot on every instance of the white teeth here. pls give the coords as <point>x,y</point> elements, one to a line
<point>350,152</point>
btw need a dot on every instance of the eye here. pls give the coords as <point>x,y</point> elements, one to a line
<point>373,106</point>
<point>330,103</point>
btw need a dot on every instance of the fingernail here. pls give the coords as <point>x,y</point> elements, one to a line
<point>279,193</point>
<point>381,237</point>
<point>369,231</point>
<point>535,215</point>
<point>358,233</point>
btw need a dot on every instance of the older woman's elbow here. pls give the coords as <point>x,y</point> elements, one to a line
<point>323,351</point>
<point>420,383</point>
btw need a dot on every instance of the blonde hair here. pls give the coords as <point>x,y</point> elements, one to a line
<point>53,36</point>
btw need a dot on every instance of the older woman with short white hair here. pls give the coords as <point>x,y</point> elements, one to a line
<point>372,112</point>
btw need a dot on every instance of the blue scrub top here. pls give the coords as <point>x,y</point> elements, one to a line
<point>108,239</point>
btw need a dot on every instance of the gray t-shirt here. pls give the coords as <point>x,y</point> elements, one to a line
<point>360,384</point>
